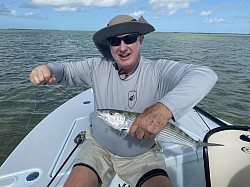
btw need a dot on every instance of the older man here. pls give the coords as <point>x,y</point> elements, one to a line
<point>123,79</point>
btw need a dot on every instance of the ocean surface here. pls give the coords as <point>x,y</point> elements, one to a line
<point>23,105</point>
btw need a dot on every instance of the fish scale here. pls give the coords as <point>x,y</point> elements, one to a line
<point>171,137</point>
<point>170,132</point>
<point>122,121</point>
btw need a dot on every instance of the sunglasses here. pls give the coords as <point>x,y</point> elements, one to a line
<point>128,39</point>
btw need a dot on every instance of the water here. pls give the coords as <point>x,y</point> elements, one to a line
<point>23,105</point>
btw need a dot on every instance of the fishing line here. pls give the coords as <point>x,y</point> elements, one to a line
<point>64,91</point>
<point>35,103</point>
<point>33,110</point>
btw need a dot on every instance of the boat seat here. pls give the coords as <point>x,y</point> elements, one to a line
<point>228,165</point>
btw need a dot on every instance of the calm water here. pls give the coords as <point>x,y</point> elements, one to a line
<point>23,105</point>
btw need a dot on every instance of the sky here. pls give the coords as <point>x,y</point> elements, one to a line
<point>207,16</point>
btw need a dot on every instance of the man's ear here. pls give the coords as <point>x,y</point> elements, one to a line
<point>141,38</point>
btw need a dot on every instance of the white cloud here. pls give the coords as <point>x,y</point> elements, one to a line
<point>13,13</point>
<point>206,13</point>
<point>30,14</point>
<point>170,6</point>
<point>66,9</point>
<point>214,20</point>
<point>189,11</point>
<point>8,11</point>
<point>156,18</point>
<point>137,14</point>
<point>103,3</point>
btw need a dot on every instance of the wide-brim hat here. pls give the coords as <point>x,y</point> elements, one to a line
<point>121,24</point>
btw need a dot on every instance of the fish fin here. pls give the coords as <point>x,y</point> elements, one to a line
<point>123,133</point>
<point>204,144</point>
<point>197,156</point>
<point>158,145</point>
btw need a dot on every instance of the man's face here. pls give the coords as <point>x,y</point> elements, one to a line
<point>127,56</point>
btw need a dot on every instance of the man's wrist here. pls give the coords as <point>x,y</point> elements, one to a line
<point>164,109</point>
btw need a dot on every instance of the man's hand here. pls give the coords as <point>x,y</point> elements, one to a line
<point>149,123</point>
<point>42,75</point>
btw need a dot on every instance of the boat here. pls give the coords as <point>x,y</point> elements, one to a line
<point>46,155</point>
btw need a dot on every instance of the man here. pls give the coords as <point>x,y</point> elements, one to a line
<point>125,80</point>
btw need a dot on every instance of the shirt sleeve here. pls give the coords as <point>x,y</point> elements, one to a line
<point>187,85</point>
<point>74,73</point>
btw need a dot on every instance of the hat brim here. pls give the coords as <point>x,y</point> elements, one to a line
<point>100,37</point>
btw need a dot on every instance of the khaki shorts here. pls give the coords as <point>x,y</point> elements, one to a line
<point>106,164</point>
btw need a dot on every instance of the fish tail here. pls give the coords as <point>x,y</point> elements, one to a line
<point>158,145</point>
<point>197,156</point>
<point>204,144</point>
<point>123,133</point>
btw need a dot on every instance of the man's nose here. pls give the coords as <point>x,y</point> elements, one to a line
<point>123,46</point>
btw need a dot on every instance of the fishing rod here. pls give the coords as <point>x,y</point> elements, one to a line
<point>79,139</point>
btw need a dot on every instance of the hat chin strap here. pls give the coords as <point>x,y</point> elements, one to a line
<point>122,75</point>
<point>115,65</point>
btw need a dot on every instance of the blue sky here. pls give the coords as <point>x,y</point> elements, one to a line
<point>211,16</point>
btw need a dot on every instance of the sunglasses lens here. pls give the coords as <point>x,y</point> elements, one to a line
<point>128,39</point>
<point>114,41</point>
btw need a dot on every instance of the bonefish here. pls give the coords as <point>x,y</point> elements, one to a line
<point>122,121</point>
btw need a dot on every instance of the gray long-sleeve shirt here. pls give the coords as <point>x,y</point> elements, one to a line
<point>178,86</point>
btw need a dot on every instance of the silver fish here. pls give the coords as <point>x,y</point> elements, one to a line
<point>122,120</point>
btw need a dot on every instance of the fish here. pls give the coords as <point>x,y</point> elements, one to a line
<point>122,121</point>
